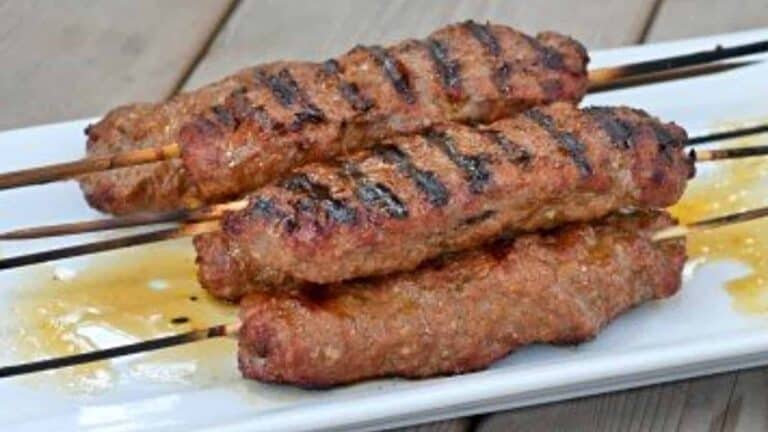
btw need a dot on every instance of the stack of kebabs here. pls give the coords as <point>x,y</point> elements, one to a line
<point>415,210</point>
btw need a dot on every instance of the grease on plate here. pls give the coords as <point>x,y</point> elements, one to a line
<point>726,187</point>
<point>119,298</point>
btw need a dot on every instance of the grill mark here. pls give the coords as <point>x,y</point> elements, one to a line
<point>243,109</point>
<point>427,182</point>
<point>266,208</point>
<point>501,77</point>
<point>224,116</point>
<point>319,196</point>
<point>448,70</point>
<point>667,143</point>
<point>279,89</point>
<point>475,167</point>
<point>483,35</point>
<point>375,195</point>
<point>619,131</point>
<point>575,148</point>
<point>393,70</point>
<point>516,153</point>
<point>550,58</point>
<point>287,91</point>
<point>349,91</point>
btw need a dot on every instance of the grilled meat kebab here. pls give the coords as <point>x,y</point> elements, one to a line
<point>249,128</point>
<point>461,314</point>
<point>411,198</point>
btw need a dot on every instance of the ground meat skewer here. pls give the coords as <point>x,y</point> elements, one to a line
<point>245,130</point>
<point>462,313</point>
<point>455,187</point>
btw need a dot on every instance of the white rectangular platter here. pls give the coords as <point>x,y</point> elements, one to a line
<point>699,331</point>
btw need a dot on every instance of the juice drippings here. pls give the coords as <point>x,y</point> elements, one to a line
<point>733,186</point>
<point>119,298</point>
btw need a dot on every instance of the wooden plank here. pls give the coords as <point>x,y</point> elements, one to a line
<point>689,405</point>
<point>746,410</point>
<point>687,18</point>
<point>265,30</point>
<point>710,403</point>
<point>80,59</point>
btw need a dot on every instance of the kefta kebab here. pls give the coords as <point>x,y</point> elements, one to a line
<point>408,257</point>
<point>254,126</point>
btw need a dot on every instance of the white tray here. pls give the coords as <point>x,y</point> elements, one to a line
<point>697,332</point>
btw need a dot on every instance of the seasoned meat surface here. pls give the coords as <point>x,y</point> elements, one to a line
<point>412,198</point>
<point>252,127</point>
<point>461,313</point>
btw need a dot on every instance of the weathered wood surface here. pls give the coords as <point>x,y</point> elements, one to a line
<point>68,62</point>
<point>734,401</point>
<point>65,60</point>
<point>267,30</point>
<point>264,30</point>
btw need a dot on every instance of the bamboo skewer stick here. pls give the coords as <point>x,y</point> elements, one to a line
<point>223,330</point>
<point>670,233</point>
<point>608,74</point>
<point>731,153</point>
<point>91,164</point>
<point>602,79</point>
<point>720,136</point>
<point>665,75</point>
<point>679,231</point>
<point>111,244</point>
<point>218,210</point>
<point>186,215</point>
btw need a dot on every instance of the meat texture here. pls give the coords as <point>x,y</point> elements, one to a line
<point>461,313</point>
<point>249,128</point>
<point>412,198</point>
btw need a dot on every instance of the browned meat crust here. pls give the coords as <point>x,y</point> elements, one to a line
<point>247,129</point>
<point>463,313</point>
<point>226,276</point>
<point>413,198</point>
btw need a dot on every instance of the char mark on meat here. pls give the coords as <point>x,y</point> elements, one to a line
<point>243,110</point>
<point>224,115</point>
<point>475,167</point>
<point>427,181</point>
<point>484,35</point>
<point>375,195</point>
<point>617,130</point>
<point>550,58</point>
<point>394,71</point>
<point>287,91</point>
<point>318,196</point>
<point>349,91</point>
<point>448,69</point>
<point>516,153</point>
<point>575,148</point>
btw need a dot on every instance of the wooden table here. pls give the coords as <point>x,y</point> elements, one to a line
<point>65,62</point>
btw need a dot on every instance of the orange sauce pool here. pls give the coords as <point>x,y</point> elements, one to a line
<point>734,186</point>
<point>119,298</point>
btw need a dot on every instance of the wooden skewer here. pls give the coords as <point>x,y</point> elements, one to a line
<point>679,231</point>
<point>213,225</point>
<point>111,244</point>
<point>600,80</point>
<point>91,164</point>
<point>217,331</point>
<point>186,215</point>
<point>606,75</point>
<point>731,153</point>
<point>216,211</point>
<point>597,86</point>
<point>670,233</point>
<point>720,136</point>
